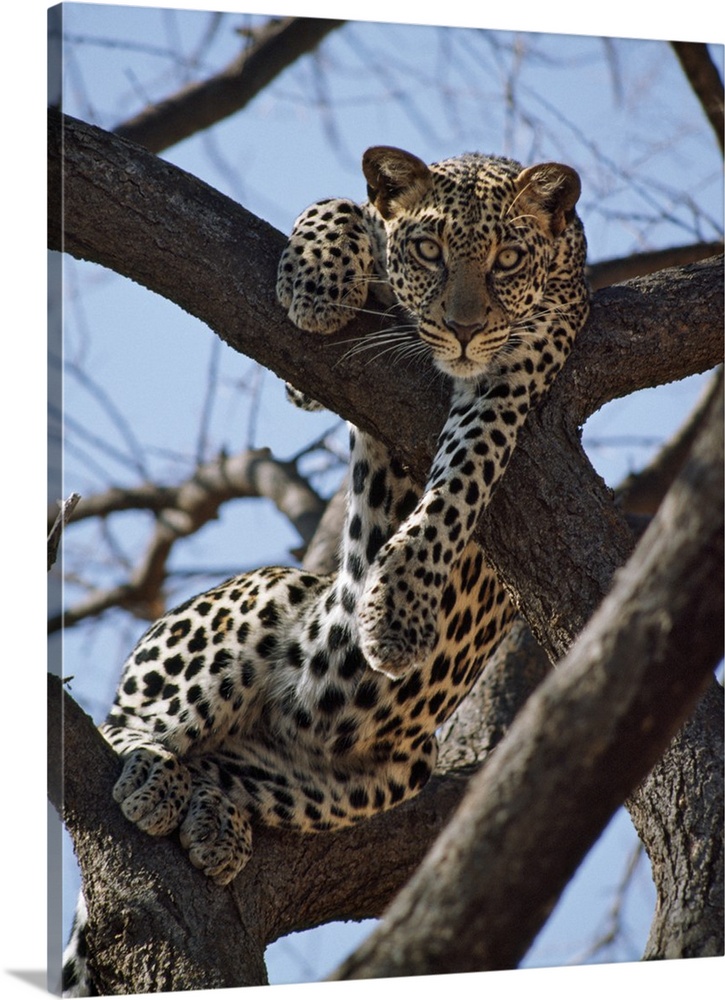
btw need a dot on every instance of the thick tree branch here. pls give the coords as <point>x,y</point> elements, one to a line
<point>111,202</point>
<point>270,51</point>
<point>611,272</point>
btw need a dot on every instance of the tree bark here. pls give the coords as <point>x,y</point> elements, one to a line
<point>678,813</point>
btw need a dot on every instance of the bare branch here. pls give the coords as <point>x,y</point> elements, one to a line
<point>58,524</point>
<point>148,496</point>
<point>642,492</point>
<point>271,50</point>
<point>182,511</point>
<point>252,473</point>
<point>705,80</point>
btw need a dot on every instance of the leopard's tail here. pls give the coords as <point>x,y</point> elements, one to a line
<point>76,981</point>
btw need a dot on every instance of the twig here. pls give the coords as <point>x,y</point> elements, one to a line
<point>613,929</point>
<point>64,514</point>
<point>200,104</point>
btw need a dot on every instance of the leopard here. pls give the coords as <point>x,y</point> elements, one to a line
<point>308,702</point>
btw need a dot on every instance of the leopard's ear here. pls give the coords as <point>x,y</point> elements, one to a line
<point>396,179</point>
<point>549,191</point>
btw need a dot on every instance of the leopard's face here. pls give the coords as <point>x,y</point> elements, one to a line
<point>469,257</point>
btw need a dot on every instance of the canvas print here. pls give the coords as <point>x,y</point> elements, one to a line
<point>385,499</point>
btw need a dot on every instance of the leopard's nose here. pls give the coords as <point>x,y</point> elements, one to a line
<point>465,332</point>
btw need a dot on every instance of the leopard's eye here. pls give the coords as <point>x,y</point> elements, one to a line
<point>427,250</point>
<point>509,258</point>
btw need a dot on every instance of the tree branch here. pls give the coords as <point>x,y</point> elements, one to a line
<point>272,49</point>
<point>705,80</point>
<point>604,273</point>
<point>678,813</point>
<point>182,511</point>
<point>123,217</point>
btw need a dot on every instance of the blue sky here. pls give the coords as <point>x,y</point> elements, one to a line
<point>249,158</point>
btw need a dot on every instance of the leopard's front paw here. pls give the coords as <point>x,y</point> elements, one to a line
<point>397,621</point>
<point>325,269</point>
<point>153,790</point>
<point>216,834</point>
<point>388,654</point>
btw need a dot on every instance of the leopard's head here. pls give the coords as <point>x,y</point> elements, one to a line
<point>471,243</point>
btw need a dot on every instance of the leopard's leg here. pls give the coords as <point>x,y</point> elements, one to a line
<point>154,787</point>
<point>334,256</point>
<point>399,618</point>
<point>306,786</point>
<point>327,266</point>
<point>159,791</point>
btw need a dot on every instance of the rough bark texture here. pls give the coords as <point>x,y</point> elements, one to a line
<point>678,813</point>
<point>552,530</point>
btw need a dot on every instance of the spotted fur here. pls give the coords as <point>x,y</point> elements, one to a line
<point>311,703</point>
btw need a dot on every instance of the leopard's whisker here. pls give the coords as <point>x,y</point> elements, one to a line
<point>394,339</point>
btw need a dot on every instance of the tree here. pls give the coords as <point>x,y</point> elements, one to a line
<point>611,710</point>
